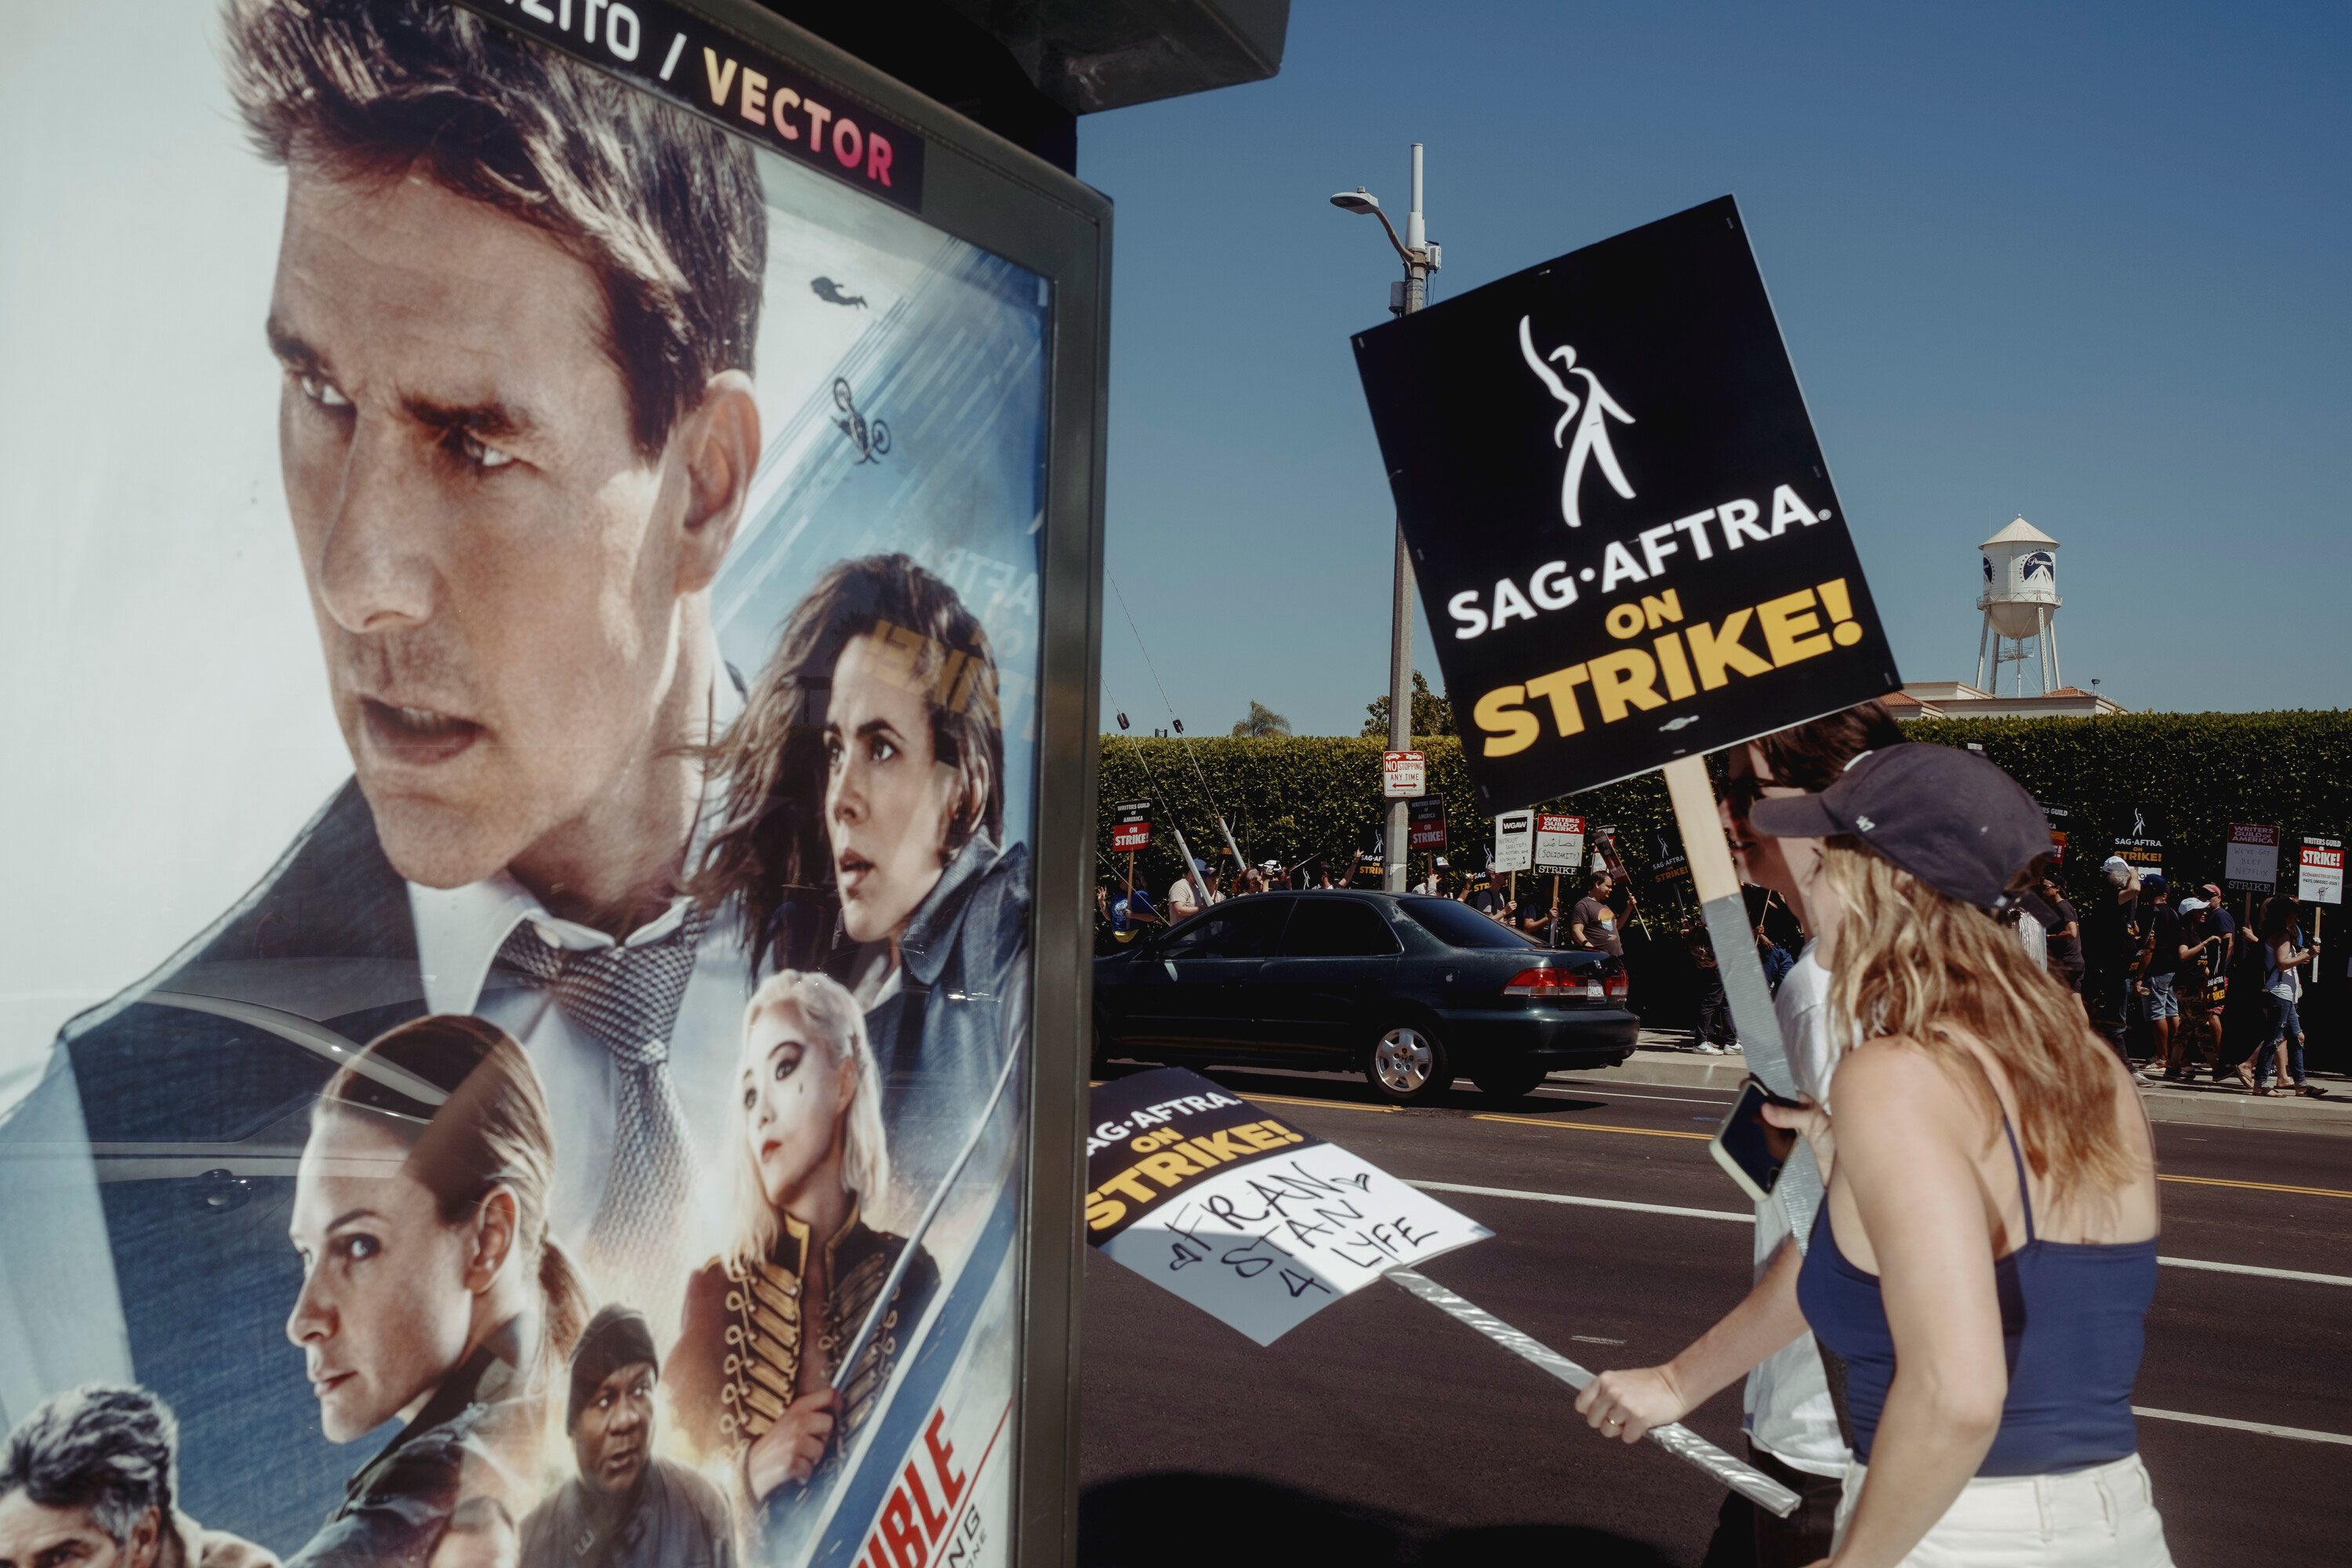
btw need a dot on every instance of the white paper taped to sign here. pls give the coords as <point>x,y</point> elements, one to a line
<point>1515,840</point>
<point>1559,842</point>
<point>2250,860</point>
<point>1252,1220</point>
<point>2320,875</point>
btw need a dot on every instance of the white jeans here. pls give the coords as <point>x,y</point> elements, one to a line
<point>2104,1517</point>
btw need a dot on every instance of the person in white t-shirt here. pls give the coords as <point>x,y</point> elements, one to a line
<point>1791,1421</point>
<point>1188,896</point>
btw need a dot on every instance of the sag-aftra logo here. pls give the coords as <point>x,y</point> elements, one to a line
<point>1591,413</point>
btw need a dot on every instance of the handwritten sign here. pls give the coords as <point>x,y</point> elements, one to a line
<point>1252,1219</point>
<point>1515,840</point>
<point>2251,858</point>
<point>1559,842</point>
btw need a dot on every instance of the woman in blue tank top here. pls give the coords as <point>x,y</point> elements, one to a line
<point>1982,1264</point>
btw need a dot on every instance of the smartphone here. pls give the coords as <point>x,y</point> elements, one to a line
<point>1750,1150</point>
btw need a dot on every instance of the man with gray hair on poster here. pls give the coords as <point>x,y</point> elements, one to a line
<point>85,1481</point>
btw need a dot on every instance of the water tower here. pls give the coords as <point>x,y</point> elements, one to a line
<point>2020,606</point>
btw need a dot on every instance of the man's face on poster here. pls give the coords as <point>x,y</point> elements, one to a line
<point>35,1535</point>
<point>494,567</point>
<point>612,1442</point>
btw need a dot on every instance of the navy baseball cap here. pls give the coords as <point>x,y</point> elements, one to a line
<point>1948,816</point>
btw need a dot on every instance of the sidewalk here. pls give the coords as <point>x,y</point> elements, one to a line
<point>1666,1058</point>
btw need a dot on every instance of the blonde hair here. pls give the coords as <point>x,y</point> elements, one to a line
<point>833,1016</point>
<point>1911,961</point>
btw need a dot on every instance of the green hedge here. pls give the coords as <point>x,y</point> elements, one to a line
<point>1290,798</point>
<point>1300,796</point>
<point>2201,772</point>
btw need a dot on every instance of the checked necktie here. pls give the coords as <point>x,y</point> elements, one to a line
<point>626,999</point>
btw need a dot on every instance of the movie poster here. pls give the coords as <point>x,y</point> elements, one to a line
<point>523,636</point>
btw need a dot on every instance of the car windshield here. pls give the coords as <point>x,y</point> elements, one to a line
<point>1460,925</point>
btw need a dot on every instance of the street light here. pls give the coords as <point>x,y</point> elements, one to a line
<point>1421,259</point>
<point>1362,201</point>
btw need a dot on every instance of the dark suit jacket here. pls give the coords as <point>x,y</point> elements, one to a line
<point>194,1087</point>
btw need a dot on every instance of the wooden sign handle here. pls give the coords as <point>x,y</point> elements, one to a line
<point>1740,968</point>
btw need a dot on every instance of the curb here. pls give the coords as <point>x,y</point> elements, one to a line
<point>2331,1118</point>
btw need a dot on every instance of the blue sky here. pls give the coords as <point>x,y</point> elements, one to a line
<point>2089,263</point>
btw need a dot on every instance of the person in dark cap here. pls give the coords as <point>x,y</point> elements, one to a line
<point>1990,1223</point>
<point>626,1507</point>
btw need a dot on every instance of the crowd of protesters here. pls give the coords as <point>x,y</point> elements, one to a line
<point>1125,908</point>
<point>2186,985</point>
<point>2177,986</point>
<point>1939,1358</point>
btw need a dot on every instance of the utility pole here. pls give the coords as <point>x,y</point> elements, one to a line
<point>1421,259</point>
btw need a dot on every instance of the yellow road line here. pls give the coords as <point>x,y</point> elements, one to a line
<point>1587,1126</point>
<point>2255,1186</point>
<point>1320,1104</point>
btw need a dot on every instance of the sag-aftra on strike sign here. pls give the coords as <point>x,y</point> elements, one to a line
<point>1624,533</point>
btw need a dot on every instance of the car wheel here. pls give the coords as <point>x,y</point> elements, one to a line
<point>1407,1065</point>
<point>1512,1082</point>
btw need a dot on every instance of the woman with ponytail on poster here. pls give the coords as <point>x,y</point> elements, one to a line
<point>1984,1261</point>
<point>432,1293</point>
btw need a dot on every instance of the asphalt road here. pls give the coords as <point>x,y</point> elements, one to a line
<point>1381,1431</point>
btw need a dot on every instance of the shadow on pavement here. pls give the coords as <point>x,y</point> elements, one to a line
<point>1182,1521</point>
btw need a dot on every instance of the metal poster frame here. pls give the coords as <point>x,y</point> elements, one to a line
<point>980,188</point>
<point>973,186</point>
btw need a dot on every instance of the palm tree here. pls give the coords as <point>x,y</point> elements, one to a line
<point>1261,722</point>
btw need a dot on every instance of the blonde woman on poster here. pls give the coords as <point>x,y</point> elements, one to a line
<point>756,1375</point>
